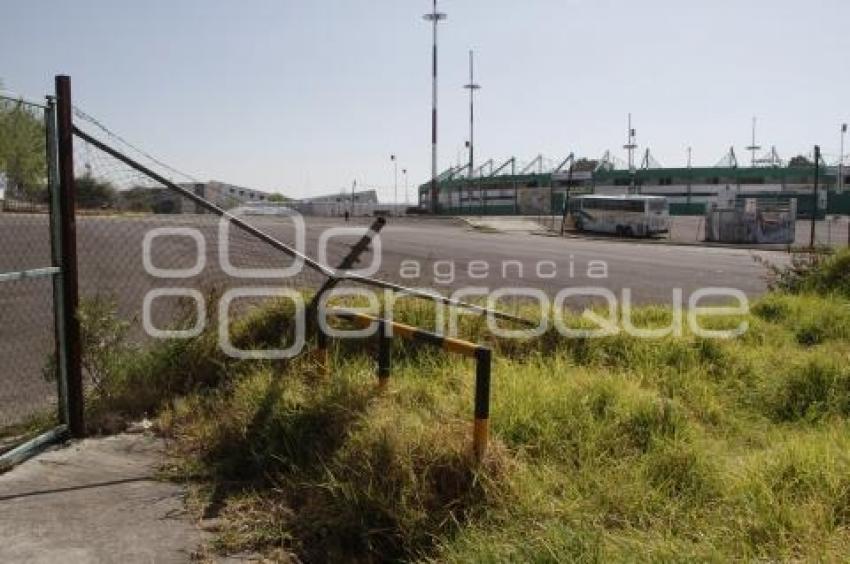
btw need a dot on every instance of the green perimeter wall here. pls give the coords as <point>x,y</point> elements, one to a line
<point>837,204</point>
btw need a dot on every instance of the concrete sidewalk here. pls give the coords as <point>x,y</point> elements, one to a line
<point>95,500</point>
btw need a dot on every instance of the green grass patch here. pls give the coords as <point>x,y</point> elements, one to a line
<point>676,448</point>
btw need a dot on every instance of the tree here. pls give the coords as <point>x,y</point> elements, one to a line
<point>94,193</point>
<point>277,197</point>
<point>799,161</point>
<point>22,150</point>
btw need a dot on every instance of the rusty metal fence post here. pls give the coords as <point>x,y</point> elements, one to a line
<point>68,257</point>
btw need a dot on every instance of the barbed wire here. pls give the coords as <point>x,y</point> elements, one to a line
<point>78,112</point>
<point>14,97</point>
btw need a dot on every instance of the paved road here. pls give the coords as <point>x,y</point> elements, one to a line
<point>650,270</point>
<point>449,256</point>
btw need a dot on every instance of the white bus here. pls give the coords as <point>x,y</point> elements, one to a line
<point>626,215</point>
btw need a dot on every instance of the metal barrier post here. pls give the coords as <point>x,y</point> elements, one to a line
<point>481,428</point>
<point>482,355</point>
<point>68,228</point>
<point>384,351</point>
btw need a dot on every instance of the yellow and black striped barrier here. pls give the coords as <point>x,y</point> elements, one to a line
<point>482,356</point>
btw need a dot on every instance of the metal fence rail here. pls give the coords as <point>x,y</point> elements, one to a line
<point>338,275</point>
<point>481,354</point>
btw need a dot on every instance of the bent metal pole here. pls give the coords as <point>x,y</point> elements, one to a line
<point>281,246</point>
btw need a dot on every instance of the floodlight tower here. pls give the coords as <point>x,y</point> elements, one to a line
<point>753,147</point>
<point>630,146</point>
<point>472,87</point>
<point>434,17</point>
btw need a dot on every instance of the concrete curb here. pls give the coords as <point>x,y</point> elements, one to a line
<point>668,242</point>
<point>571,234</point>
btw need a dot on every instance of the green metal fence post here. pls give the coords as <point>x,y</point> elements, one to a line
<point>56,256</point>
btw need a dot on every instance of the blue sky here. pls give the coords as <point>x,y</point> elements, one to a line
<point>303,97</point>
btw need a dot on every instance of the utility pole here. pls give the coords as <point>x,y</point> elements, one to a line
<point>434,17</point>
<point>353,188</point>
<point>815,198</point>
<point>472,87</point>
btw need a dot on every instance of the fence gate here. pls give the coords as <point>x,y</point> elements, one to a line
<point>33,367</point>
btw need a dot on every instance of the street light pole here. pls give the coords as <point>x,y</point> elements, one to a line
<point>815,198</point>
<point>434,17</point>
<point>472,87</point>
<point>395,180</point>
<point>406,198</point>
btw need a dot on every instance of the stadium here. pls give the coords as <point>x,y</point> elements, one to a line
<point>538,189</point>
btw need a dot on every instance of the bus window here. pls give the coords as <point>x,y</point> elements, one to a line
<point>656,205</point>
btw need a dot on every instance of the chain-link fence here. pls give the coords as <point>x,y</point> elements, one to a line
<point>145,250</point>
<point>143,245</point>
<point>146,241</point>
<point>28,388</point>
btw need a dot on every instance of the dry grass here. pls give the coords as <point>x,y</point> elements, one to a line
<point>613,449</point>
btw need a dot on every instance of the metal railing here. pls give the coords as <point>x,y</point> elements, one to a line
<point>481,354</point>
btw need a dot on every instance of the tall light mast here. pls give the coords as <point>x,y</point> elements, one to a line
<point>753,147</point>
<point>472,87</point>
<point>434,17</point>
<point>630,145</point>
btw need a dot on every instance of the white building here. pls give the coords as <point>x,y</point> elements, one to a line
<point>362,203</point>
<point>224,195</point>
